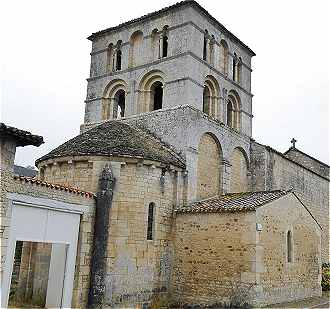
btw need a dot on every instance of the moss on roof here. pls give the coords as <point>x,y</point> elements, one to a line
<point>115,138</point>
<point>233,202</point>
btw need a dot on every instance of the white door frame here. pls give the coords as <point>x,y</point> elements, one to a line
<point>42,220</point>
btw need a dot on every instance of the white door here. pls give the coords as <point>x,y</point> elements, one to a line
<point>40,224</point>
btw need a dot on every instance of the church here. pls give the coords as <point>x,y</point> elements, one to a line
<point>178,204</point>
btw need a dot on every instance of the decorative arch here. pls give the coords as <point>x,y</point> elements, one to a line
<point>164,42</point>
<point>118,56</point>
<point>151,91</point>
<point>233,110</point>
<point>211,50</point>
<point>155,44</point>
<point>239,70</point>
<point>239,171</point>
<point>224,57</point>
<point>114,100</point>
<point>209,167</point>
<point>136,49</point>
<point>234,68</point>
<point>110,53</point>
<point>211,96</point>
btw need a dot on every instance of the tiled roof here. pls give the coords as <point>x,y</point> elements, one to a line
<point>170,8</point>
<point>115,138</point>
<point>233,202</point>
<point>41,183</point>
<point>23,138</point>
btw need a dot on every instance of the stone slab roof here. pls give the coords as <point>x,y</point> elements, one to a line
<point>115,138</point>
<point>284,156</point>
<point>168,9</point>
<point>308,161</point>
<point>233,202</point>
<point>37,182</point>
<point>23,138</point>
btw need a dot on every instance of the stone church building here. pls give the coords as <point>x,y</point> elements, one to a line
<point>189,209</point>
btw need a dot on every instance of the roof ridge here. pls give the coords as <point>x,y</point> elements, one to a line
<point>307,155</point>
<point>289,159</point>
<point>36,181</point>
<point>117,138</point>
<point>171,7</point>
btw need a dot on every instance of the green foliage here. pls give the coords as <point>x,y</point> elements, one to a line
<point>325,277</point>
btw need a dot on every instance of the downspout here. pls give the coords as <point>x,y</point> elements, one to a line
<point>101,232</point>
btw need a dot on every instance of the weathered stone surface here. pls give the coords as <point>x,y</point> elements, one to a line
<point>115,138</point>
<point>221,256</point>
<point>271,170</point>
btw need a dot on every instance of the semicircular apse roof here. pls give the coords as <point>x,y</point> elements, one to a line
<point>115,138</point>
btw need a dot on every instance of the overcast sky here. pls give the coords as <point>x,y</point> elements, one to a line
<point>46,60</point>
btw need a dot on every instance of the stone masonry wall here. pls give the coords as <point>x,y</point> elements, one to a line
<point>182,128</point>
<point>214,257</point>
<point>184,69</point>
<point>208,168</point>
<point>77,173</point>
<point>307,161</point>
<point>7,156</point>
<point>33,275</point>
<point>239,172</point>
<point>81,283</point>
<point>271,170</point>
<point>279,278</point>
<point>138,270</point>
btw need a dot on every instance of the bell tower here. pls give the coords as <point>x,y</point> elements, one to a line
<point>177,56</point>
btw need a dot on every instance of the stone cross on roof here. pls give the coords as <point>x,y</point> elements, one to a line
<point>293,142</point>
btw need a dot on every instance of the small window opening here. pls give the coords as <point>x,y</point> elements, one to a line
<point>230,112</point>
<point>206,100</point>
<point>165,45</point>
<point>150,224</point>
<point>118,60</point>
<point>289,247</point>
<point>234,69</point>
<point>120,106</point>
<point>157,92</point>
<point>204,48</point>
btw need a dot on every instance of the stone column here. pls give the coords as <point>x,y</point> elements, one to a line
<point>101,233</point>
<point>219,110</point>
<point>224,100</point>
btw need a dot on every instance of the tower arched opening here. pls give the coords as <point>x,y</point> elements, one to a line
<point>151,92</point>
<point>114,102</point>
<point>224,54</point>
<point>119,106</point>
<point>157,95</point>
<point>233,110</point>
<point>211,92</point>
